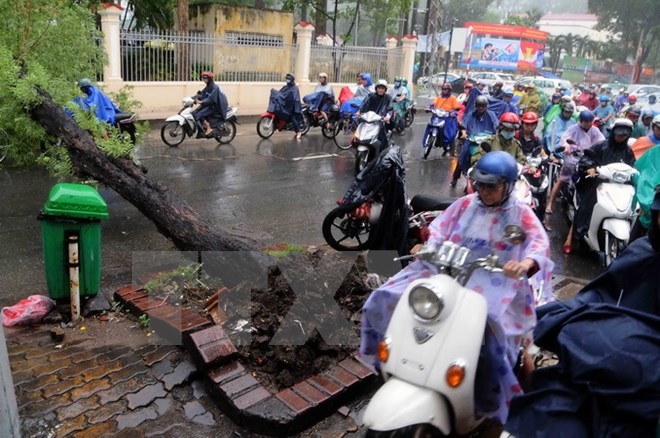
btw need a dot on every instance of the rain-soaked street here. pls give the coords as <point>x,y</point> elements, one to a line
<point>274,191</point>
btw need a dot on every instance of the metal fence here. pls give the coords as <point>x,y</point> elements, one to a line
<point>172,56</point>
<point>344,63</point>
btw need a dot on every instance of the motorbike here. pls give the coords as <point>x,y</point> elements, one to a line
<point>430,353</point>
<point>409,117</point>
<point>366,140</point>
<point>316,118</point>
<point>268,123</point>
<point>125,123</point>
<point>435,131</point>
<point>182,125</point>
<point>374,214</point>
<point>535,172</point>
<point>613,214</point>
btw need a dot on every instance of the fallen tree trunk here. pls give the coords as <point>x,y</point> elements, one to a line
<point>173,217</point>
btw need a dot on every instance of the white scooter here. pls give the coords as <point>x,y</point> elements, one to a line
<point>613,214</point>
<point>177,127</point>
<point>430,351</point>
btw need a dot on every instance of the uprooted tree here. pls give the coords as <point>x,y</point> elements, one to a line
<point>47,45</point>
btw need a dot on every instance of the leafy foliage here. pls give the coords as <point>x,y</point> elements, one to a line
<point>467,10</point>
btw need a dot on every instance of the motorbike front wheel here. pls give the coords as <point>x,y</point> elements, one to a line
<point>304,126</point>
<point>172,133</point>
<point>361,160</point>
<point>409,118</point>
<point>265,127</point>
<point>613,247</point>
<point>343,134</point>
<point>228,134</point>
<point>328,129</point>
<point>430,141</point>
<point>345,233</point>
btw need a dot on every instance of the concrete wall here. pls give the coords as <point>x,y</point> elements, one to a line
<point>163,99</point>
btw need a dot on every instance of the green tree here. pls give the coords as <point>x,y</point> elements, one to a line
<point>635,20</point>
<point>45,46</point>
<point>467,10</point>
<point>531,19</point>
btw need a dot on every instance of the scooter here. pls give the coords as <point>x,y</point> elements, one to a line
<point>366,139</point>
<point>613,214</point>
<point>535,172</point>
<point>435,131</point>
<point>409,117</point>
<point>182,125</point>
<point>316,118</point>
<point>430,351</point>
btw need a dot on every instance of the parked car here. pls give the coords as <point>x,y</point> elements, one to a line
<point>545,85</point>
<point>642,91</point>
<point>489,78</point>
<point>437,79</point>
<point>458,85</point>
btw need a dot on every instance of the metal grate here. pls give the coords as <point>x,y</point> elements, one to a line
<point>344,63</point>
<point>172,56</point>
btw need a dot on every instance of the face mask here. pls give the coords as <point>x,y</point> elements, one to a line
<point>397,84</point>
<point>289,81</point>
<point>507,135</point>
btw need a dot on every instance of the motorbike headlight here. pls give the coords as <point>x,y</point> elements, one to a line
<point>620,177</point>
<point>425,304</point>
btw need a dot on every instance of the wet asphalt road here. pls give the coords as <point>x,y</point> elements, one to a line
<point>273,191</point>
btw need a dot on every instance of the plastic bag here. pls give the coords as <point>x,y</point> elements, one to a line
<point>28,311</point>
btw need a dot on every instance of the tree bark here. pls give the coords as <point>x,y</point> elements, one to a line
<point>183,60</point>
<point>173,217</point>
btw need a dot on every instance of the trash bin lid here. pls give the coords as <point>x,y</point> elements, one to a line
<point>75,200</point>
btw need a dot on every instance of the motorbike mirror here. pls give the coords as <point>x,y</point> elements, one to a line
<point>560,149</point>
<point>514,234</point>
<point>570,141</point>
<point>486,146</point>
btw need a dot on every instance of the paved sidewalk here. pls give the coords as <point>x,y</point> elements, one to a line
<point>107,378</point>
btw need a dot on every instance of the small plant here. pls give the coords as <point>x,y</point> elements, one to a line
<point>183,285</point>
<point>284,250</point>
<point>144,321</point>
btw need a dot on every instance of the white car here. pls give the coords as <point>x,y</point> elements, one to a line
<point>546,85</point>
<point>489,78</point>
<point>437,79</point>
<point>643,92</point>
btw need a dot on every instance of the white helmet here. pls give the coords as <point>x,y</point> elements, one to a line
<point>381,83</point>
<point>656,121</point>
<point>622,127</point>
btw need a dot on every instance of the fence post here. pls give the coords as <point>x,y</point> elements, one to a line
<point>304,32</point>
<point>110,27</point>
<point>409,47</point>
<point>391,43</point>
<point>9,421</point>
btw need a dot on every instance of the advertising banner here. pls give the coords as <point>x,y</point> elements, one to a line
<point>530,56</point>
<point>491,53</point>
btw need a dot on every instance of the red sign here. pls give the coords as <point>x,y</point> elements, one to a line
<point>507,30</point>
<point>528,59</point>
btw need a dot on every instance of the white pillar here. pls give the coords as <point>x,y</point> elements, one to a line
<point>110,27</point>
<point>393,66</point>
<point>304,39</point>
<point>409,47</point>
<point>9,424</point>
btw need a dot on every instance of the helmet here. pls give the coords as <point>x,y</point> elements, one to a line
<point>622,127</point>
<point>632,99</point>
<point>556,96</point>
<point>509,120</point>
<point>530,117</point>
<point>446,85</point>
<point>500,83</point>
<point>530,86</point>
<point>656,121</point>
<point>84,82</point>
<point>647,112</point>
<point>481,101</point>
<point>508,92</point>
<point>604,99</point>
<point>622,89</point>
<point>206,74</point>
<point>652,98</point>
<point>494,168</point>
<point>404,81</point>
<point>480,82</point>
<point>634,110</point>
<point>381,83</point>
<point>565,99</point>
<point>290,77</point>
<point>568,106</point>
<point>323,75</point>
<point>586,116</point>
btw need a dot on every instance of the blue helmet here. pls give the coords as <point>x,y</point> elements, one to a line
<point>586,116</point>
<point>494,168</point>
<point>604,99</point>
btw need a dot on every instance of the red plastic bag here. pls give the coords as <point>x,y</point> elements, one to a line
<point>27,311</point>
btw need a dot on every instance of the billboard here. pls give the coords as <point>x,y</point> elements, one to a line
<point>503,47</point>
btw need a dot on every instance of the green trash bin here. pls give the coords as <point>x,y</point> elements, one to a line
<point>72,210</point>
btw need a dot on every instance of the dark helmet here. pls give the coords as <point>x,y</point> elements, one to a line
<point>290,77</point>
<point>586,116</point>
<point>84,82</point>
<point>634,110</point>
<point>481,101</point>
<point>494,168</point>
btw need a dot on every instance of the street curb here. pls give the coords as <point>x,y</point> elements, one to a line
<point>234,389</point>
